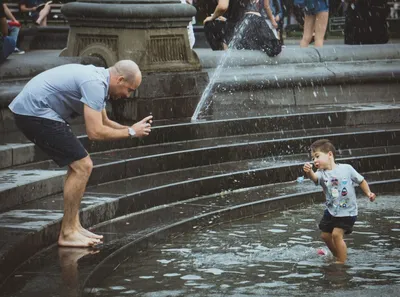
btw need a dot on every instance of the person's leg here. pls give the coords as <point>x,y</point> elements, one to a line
<point>321,23</point>
<point>57,140</point>
<point>13,32</point>
<point>214,32</point>
<point>74,187</point>
<point>42,19</point>
<point>340,245</point>
<point>309,22</point>
<point>8,47</point>
<point>327,238</point>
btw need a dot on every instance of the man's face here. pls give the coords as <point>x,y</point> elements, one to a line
<point>123,88</point>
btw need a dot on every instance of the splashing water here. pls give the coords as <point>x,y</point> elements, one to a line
<point>204,104</point>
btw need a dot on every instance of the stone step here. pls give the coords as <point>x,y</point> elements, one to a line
<point>13,154</point>
<point>140,161</point>
<point>125,237</point>
<point>204,180</point>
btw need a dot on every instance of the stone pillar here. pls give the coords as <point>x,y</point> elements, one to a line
<point>152,33</point>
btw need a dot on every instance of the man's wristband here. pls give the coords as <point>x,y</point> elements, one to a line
<point>131,132</point>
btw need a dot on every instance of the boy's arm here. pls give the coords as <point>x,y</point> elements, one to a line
<point>307,168</point>
<point>364,186</point>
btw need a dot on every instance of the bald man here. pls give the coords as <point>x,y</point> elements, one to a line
<point>46,105</point>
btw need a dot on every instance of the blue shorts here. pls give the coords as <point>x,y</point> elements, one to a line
<point>317,7</point>
<point>54,138</point>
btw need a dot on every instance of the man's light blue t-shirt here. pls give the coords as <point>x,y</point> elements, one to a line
<point>338,186</point>
<point>60,93</point>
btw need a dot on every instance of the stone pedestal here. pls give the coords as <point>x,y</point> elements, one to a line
<point>166,96</point>
<point>153,33</point>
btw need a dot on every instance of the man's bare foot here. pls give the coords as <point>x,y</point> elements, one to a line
<point>76,239</point>
<point>89,234</point>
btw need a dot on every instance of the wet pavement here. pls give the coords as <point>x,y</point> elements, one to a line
<point>272,255</point>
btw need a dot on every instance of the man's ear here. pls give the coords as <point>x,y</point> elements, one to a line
<point>120,79</point>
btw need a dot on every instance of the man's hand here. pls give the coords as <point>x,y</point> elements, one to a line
<point>274,24</point>
<point>371,196</point>
<point>307,168</point>
<point>277,18</point>
<point>143,128</point>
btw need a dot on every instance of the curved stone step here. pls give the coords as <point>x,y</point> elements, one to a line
<point>126,236</point>
<point>109,167</point>
<point>42,218</point>
<point>13,154</point>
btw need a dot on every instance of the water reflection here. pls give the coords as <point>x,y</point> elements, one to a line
<point>68,258</point>
<point>275,255</point>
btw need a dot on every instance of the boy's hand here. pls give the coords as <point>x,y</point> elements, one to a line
<point>371,196</point>
<point>307,167</point>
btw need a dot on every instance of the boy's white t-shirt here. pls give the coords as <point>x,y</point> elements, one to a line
<point>338,187</point>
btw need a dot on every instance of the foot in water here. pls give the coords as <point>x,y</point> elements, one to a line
<point>322,252</point>
<point>76,239</point>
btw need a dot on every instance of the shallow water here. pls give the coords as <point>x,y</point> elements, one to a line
<point>273,255</point>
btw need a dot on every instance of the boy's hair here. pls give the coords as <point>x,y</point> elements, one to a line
<point>323,145</point>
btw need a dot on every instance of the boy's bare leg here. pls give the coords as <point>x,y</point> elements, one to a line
<point>341,247</point>
<point>74,187</point>
<point>327,238</point>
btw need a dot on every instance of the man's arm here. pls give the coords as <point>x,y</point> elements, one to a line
<point>26,9</point>
<point>9,14</point>
<point>109,123</point>
<point>95,128</point>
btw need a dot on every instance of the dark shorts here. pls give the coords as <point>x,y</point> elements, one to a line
<point>53,137</point>
<point>329,222</point>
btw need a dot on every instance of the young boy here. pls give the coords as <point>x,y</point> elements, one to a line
<point>341,205</point>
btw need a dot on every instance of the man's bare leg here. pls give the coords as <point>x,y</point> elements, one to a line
<point>341,247</point>
<point>86,232</point>
<point>74,187</point>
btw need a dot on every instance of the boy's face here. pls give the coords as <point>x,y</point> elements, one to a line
<point>321,160</point>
